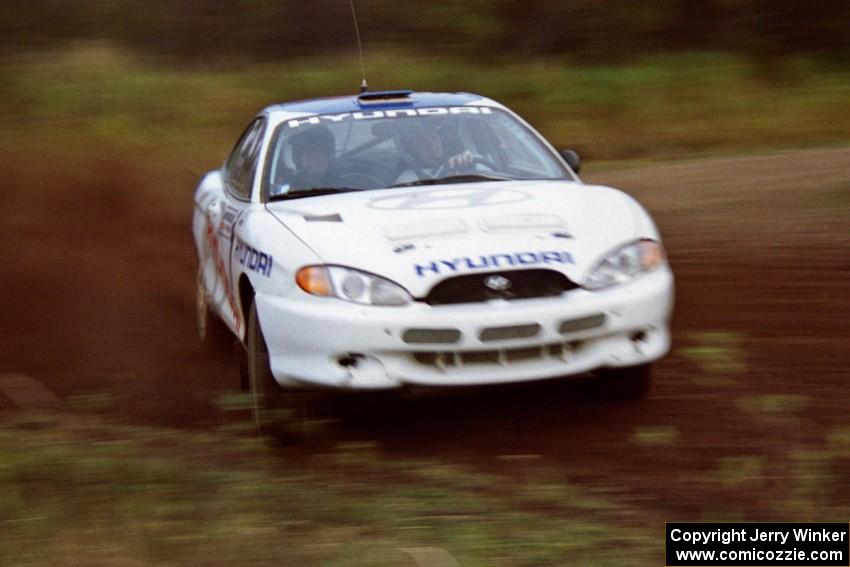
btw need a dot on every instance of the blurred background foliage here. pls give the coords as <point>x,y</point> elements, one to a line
<point>201,31</point>
<point>612,78</point>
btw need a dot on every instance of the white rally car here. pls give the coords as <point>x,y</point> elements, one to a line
<point>399,239</point>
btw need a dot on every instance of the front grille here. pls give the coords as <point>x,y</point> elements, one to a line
<point>444,360</point>
<point>517,284</point>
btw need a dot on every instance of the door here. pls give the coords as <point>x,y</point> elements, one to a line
<point>220,205</point>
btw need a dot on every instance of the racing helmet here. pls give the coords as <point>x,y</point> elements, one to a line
<point>410,134</point>
<point>315,136</point>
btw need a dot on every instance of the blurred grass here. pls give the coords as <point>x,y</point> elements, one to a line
<point>740,471</point>
<point>80,491</point>
<point>95,98</point>
<point>655,435</point>
<point>773,404</point>
<point>720,356</point>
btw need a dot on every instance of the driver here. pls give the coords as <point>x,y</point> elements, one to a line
<point>313,156</point>
<point>421,145</point>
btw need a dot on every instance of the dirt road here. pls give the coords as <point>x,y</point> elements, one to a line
<point>97,302</point>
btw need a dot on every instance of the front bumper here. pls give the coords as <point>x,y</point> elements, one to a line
<point>316,341</point>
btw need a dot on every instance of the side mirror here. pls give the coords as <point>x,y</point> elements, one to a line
<point>572,159</point>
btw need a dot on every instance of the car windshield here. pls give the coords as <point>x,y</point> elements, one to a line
<point>376,149</point>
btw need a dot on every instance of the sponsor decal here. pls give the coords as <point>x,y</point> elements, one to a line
<point>227,220</point>
<point>403,248</point>
<point>455,265</point>
<point>253,259</point>
<point>394,113</point>
<point>212,241</point>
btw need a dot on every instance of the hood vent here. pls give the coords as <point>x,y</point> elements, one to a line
<point>436,227</point>
<point>521,221</point>
<point>385,97</point>
<point>323,218</point>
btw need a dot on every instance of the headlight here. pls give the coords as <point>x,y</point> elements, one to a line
<point>625,263</point>
<point>350,285</point>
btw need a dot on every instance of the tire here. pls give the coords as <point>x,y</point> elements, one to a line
<point>628,383</point>
<point>266,393</point>
<point>212,331</point>
<point>280,414</point>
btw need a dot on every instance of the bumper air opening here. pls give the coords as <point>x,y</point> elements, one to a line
<point>508,333</point>
<point>350,360</point>
<point>444,360</point>
<point>582,323</point>
<point>431,336</point>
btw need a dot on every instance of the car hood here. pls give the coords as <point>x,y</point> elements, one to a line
<point>417,236</point>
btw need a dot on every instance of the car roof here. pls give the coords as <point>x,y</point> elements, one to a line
<point>374,101</point>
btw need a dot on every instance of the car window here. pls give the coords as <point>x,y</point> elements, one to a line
<point>509,147</point>
<point>385,148</point>
<point>242,163</point>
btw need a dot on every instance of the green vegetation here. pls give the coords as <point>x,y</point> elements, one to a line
<point>655,435</point>
<point>80,491</point>
<point>839,441</point>
<point>781,405</point>
<point>719,355</point>
<point>600,30</point>
<point>94,98</point>
<point>745,471</point>
<point>812,481</point>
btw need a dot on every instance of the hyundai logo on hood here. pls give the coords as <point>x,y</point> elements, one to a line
<point>497,283</point>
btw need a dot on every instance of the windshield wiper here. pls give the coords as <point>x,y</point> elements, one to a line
<point>465,178</point>
<point>313,192</point>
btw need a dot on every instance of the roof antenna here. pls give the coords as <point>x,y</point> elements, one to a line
<point>363,85</point>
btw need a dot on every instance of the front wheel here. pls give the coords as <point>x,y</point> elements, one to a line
<point>628,383</point>
<point>279,414</point>
<point>266,393</point>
